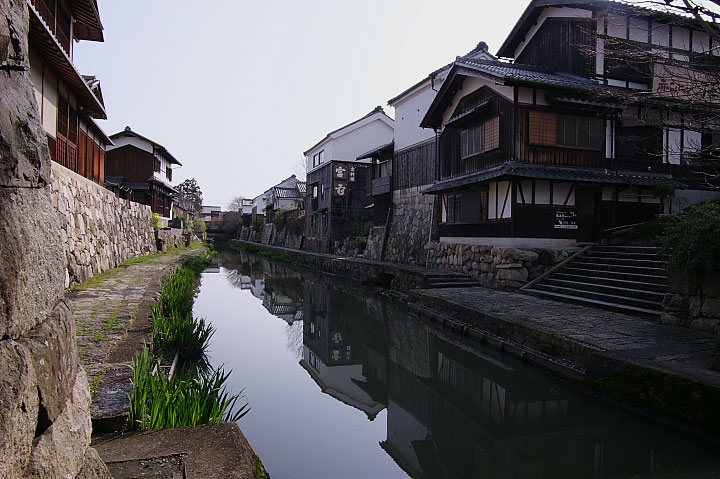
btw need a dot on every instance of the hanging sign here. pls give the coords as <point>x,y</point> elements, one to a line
<point>566,220</point>
<point>340,171</point>
<point>340,189</point>
<point>352,174</point>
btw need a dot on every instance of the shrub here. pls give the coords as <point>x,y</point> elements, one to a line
<point>199,227</point>
<point>692,240</point>
<point>156,221</point>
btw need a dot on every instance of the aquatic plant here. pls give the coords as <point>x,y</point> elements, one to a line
<point>176,332</point>
<point>188,398</point>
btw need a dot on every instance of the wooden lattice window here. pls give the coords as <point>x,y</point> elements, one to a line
<point>543,128</point>
<point>492,134</point>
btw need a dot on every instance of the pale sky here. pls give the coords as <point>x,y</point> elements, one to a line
<point>237,90</point>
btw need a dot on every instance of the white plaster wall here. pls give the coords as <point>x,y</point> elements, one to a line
<point>348,146</point>
<point>409,111</point>
<point>49,102</point>
<point>131,140</point>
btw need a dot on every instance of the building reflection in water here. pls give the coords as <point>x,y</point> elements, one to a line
<point>455,410</point>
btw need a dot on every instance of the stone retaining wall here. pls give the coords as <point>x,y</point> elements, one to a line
<point>693,303</point>
<point>44,393</point>
<point>409,226</point>
<point>171,238</point>
<point>99,230</point>
<point>501,268</point>
<point>373,249</point>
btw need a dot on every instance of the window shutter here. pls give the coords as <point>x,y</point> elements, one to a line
<point>543,128</point>
<point>492,134</point>
<point>464,143</point>
<point>583,132</point>
<point>595,134</point>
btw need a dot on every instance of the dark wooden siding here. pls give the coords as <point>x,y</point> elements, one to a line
<point>638,147</point>
<point>414,166</point>
<point>563,45</point>
<point>451,162</point>
<point>132,163</point>
<point>553,155</point>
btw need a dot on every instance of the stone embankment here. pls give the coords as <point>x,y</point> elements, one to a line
<point>493,267</point>
<point>45,415</point>
<point>99,230</point>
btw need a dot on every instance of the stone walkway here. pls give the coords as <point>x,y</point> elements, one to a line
<point>660,370</point>
<point>111,318</point>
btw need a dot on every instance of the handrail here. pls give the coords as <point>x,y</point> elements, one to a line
<point>556,267</point>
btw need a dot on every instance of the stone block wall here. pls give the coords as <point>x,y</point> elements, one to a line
<point>493,267</point>
<point>44,394</point>
<point>693,303</point>
<point>170,238</point>
<point>99,230</point>
<point>373,249</point>
<point>409,226</point>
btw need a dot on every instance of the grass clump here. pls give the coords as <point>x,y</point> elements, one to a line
<point>188,398</point>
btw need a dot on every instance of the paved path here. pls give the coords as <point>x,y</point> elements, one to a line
<point>660,370</point>
<point>111,318</point>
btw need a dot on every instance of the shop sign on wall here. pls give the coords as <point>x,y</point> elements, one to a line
<point>566,220</point>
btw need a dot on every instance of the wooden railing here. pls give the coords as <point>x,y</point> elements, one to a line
<point>45,12</point>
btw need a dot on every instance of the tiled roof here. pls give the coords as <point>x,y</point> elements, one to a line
<point>583,175</point>
<point>532,74</point>
<point>129,132</point>
<point>377,151</point>
<point>376,110</point>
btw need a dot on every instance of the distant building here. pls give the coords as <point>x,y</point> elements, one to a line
<point>68,102</point>
<point>142,168</point>
<point>212,216</point>
<point>289,192</point>
<point>338,186</point>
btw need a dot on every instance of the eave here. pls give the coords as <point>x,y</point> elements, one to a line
<point>88,25</point>
<point>41,38</point>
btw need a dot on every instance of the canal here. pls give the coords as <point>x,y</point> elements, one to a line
<point>346,383</point>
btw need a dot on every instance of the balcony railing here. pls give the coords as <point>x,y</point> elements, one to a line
<point>49,15</point>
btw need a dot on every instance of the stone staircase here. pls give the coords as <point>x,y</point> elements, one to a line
<point>627,279</point>
<point>447,279</point>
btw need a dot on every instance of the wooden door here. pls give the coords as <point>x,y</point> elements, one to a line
<point>586,202</point>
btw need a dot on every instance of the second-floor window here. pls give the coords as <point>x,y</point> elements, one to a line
<point>480,138</point>
<point>564,130</point>
<point>318,158</point>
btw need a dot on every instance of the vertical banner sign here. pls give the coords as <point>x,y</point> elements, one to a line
<point>352,174</point>
<point>340,171</point>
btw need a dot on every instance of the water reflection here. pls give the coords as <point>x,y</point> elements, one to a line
<point>454,410</point>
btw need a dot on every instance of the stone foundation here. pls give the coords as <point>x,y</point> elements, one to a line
<point>409,226</point>
<point>693,303</point>
<point>166,239</point>
<point>501,268</point>
<point>99,230</point>
<point>373,249</point>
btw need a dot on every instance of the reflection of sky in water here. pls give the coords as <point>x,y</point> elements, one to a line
<point>343,385</point>
<point>298,431</point>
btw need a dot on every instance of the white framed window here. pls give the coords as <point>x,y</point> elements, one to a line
<point>318,158</point>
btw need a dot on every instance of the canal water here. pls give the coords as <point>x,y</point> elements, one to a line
<point>346,383</point>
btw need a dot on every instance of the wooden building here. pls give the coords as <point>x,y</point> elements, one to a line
<point>68,102</point>
<point>142,169</point>
<point>562,144</point>
<point>338,185</point>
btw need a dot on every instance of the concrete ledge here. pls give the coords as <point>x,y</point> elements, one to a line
<point>216,451</point>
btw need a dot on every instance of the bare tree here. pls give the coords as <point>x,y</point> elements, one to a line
<point>236,204</point>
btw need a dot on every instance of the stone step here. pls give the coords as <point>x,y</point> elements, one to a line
<point>645,263</point>
<point>609,298</point>
<point>612,254</point>
<point>622,308</point>
<point>602,279</point>
<point>631,293</point>
<point>659,277</point>
<point>638,270</point>
<point>454,284</point>
<point>627,249</point>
